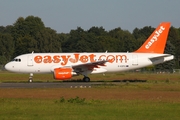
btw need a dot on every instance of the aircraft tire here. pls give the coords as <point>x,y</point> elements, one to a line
<point>30,80</point>
<point>86,79</point>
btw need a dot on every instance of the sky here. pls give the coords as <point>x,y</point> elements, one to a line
<point>65,15</point>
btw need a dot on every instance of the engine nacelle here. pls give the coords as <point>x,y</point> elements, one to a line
<point>62,73</point>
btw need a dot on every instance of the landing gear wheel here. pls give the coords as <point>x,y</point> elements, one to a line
<point>30,78</point>
<point>86,79</point>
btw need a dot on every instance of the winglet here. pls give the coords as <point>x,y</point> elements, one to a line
<point>157,41</point>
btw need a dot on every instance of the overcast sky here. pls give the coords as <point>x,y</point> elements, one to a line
<point>65,15</point>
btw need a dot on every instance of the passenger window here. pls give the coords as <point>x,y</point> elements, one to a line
<point>16,60</point>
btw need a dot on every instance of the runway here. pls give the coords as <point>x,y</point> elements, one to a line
<point>50,85</point>
<point>64,84</point>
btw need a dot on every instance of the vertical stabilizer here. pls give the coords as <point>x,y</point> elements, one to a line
<point>157,41</point>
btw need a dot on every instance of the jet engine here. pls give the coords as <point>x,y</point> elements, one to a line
<point>62,73</point>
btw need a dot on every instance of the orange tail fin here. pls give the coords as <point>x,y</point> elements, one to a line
<point>157,41</point>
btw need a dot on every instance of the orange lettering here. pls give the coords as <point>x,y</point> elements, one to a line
<point>65,59</point>
<point>110,58</point>
<point>102,58</point>
<point>121,58</point>
<point>84,59</point>
<point>47,59</point>
<point>56,59</point>
<point>77,57</point>
<point>75,60</point>
<point>92,57</point>
<point>38,59</point>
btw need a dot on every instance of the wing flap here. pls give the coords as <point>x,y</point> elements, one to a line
<point>92,64</point>
<point>88,66</point>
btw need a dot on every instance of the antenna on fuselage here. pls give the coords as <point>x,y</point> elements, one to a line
<point>106,51</point>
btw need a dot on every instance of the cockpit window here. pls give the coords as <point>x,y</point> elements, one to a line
<point>17,60</point>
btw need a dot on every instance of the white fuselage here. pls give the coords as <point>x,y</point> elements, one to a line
<point>46,62</point>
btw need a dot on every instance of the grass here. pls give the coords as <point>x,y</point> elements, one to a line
<point>157,98</point>
<point>131,76</point>
<point>38,109</point>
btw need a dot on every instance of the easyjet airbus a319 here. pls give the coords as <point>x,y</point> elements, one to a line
<point>65,65</point>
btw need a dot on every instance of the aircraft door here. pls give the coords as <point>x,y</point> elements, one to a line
<point>134,60</point>
<point>30,60</point>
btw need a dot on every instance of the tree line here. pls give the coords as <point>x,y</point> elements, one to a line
<point>30,34</point>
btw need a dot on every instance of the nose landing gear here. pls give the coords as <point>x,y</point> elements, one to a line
<point>30,78</point>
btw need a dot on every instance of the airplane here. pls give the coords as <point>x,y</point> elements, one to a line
<point>66,65</point>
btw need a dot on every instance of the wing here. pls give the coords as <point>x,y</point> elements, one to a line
<point>84,67</point>
<point>88,66</point>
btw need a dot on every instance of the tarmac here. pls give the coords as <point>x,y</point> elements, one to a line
<point>50,85</point>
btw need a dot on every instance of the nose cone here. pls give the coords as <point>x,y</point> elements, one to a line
<point>8,67</point>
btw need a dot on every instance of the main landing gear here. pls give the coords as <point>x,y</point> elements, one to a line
<point>30,78</point>
<point>86,79</point>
